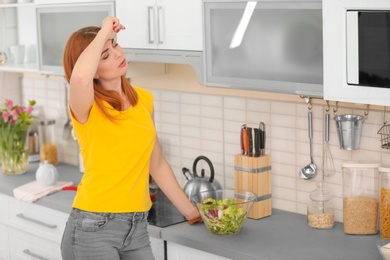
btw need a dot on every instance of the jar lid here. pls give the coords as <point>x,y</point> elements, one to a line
<point>48,122</point>
<point>320,194</point>
<point>359,164</point>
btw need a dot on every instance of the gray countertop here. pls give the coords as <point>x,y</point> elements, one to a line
<point>61,201</point>
<point>283,235</point>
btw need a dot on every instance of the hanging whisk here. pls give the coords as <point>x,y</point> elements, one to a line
<point>328,168</point>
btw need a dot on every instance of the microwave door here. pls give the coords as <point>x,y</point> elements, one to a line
<point>368,51</point>
<point>352,48</point>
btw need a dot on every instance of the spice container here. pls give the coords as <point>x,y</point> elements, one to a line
<point>33,146</point>
<point>320,213</point>
<point>384,210</point>
<point>360,197</point>
<point>48,147</point>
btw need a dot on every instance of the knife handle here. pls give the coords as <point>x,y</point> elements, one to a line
<point>242,142</point>
<point>257,142</point>
<point>245,141</point>
<point>262,138</point>
<point>250,141</point>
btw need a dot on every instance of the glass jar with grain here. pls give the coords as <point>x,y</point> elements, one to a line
<point>360,197</point>
<point>384,195</point>
<point>320,213</point>
<point>48,146</point>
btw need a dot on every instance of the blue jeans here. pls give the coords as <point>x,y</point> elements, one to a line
<point>106,236</point>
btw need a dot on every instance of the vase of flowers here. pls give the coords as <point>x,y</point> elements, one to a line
<point>14,123</point>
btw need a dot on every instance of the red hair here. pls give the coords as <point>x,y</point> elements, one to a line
<point>76,44</point>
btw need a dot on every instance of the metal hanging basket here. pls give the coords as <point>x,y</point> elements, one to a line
<point>384,131</point>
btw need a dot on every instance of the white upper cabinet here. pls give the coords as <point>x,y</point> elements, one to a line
<point>160,24</point>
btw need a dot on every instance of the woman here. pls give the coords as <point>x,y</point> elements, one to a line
<point>114,125</point>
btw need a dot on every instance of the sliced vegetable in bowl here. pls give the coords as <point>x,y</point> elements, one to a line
<point>224,211</point>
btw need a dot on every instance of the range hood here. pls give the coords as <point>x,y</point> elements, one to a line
<point>193,58</point>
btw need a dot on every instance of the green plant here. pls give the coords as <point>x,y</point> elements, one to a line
<point>14,123</point>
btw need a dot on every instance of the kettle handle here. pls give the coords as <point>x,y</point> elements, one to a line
<point>208,162</point>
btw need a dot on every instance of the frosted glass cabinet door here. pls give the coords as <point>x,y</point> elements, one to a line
<point>55,25</point>
<point>160,24</point>
<point>281,50</point>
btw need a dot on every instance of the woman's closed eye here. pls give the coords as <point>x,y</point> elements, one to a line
<point>105,53</point>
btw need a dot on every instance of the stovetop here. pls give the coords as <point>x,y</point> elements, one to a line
<point>163,213</point>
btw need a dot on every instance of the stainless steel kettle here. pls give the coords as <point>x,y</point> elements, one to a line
<point>200,183</point>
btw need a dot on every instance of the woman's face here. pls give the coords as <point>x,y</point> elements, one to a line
<point>112,63</point>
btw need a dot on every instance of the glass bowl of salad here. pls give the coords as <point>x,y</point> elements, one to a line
<point>224,211</point>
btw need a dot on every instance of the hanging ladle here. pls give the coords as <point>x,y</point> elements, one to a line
<point>310,170</point>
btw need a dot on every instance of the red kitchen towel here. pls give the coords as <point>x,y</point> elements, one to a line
<point>33,191</point>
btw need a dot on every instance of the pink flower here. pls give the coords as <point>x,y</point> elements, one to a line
<point>20,110</point>
<point>14,114</point>
<point>29,109</point>
<point>5,116</point>
<point>9,104</point>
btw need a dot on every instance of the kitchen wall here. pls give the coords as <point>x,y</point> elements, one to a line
<point>193,120</point>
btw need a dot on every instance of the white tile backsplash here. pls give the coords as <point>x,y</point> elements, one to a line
<point>192,124</point>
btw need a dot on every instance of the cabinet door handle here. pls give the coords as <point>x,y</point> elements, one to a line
<point>160,24</point>
<point>28,252</point>
<point>151,24</point>
<point>20,215</point>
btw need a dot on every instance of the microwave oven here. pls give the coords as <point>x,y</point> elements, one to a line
<point>280,50</point>
<point>357,51</point>
<point>57,22</point>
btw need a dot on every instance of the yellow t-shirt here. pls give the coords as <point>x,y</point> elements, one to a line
<point>116,157</point>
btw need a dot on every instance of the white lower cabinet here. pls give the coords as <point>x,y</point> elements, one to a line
<point>179,252</point>
<point>37,220</point>
<point>25,246</point>
<point>29,231</point>
<point>4,245</point>
<point>157,248</point>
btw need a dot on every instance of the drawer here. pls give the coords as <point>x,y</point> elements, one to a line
<point>37,220</point>
<point>4,246</point>
<point>24,246</point>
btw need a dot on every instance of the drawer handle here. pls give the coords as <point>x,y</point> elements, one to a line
<point>35,221</point>
<point>28,252</point>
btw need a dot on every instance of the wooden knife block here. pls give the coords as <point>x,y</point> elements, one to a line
<point>254,174</point>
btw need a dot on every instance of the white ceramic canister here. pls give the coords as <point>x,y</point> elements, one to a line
<point>47,174</point>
